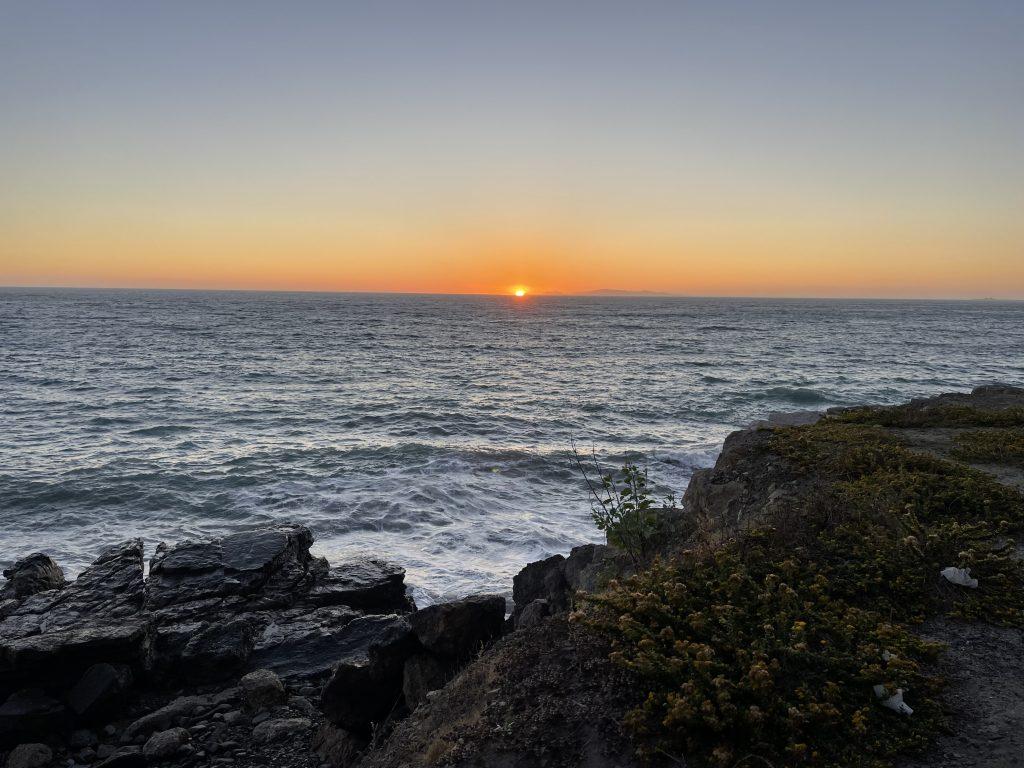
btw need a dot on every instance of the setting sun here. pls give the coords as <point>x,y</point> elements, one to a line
<point>520,292</point>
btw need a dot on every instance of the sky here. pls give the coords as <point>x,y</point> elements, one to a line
<point>715,148</point>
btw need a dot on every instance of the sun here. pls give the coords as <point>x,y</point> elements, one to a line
<point>519,291</point>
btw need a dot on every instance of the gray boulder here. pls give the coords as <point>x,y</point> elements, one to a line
<point>29,756</point>
<point>262,690</point>
<point>165,744</point>
<point>542,579</point>
<point>167,716</point>
<point>367,681</point>
<point>556,579</point>
<point>32,574</point>
<point>275,730</point>
<point>590,566</point>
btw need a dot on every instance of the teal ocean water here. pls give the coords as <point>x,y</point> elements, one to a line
<point>432,430</point>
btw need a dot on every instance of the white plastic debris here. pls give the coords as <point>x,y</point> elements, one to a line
<point>887,657</point>
<point>894,702</point>
<point>959,576</point>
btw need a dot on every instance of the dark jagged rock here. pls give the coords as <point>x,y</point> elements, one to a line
<point>365,583</point>
<point>555,580</point>
<point>218,651</point>
<point>60,657</point>
<point>301,644</point>
<point>460,628</point>
<point>31,713</point>
<point>423,673</point>
<point>81,738</point>
<point>590,565</point>
<point>273,562</point>
<point>55,635</point>
<point>533,613</point>
<point>543,579</point>
<point>101,691</point>
<point>32,574</point>
<point>367,682</point>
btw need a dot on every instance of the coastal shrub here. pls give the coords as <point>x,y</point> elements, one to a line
<point>752,655</point>
<point>892,518</point>
<point>767,646</point>
<point>623,508</point>
<point>909,416</point>
<point>998,446</point>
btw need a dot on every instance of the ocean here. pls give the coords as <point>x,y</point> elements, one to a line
<point>434,431</point>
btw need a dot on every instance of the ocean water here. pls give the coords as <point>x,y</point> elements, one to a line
<point>431,430</point>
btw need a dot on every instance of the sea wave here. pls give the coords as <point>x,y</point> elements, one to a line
<point>433,431</point>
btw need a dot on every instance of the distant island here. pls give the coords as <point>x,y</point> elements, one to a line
<point>621,292</point>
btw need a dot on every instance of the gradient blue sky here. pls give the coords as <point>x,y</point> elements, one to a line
<point>726,148</point>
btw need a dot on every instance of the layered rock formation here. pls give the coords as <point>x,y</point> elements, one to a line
<point>88,655</point>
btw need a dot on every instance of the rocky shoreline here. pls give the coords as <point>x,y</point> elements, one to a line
<point>234,646</point>
<point>247,650</point>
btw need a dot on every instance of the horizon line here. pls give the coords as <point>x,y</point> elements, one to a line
<point>600,293</point>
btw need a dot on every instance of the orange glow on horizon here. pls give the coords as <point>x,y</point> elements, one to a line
<point>711,258</point>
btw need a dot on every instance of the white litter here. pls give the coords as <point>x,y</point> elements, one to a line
<point>959,576</point>
<point>887,657</point>
<point>894,702</point>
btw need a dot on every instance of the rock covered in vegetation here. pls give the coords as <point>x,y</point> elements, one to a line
<point>337,747</point>
<point>544,697</point>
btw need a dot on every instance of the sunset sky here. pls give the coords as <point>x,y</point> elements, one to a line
<point>791,149</point>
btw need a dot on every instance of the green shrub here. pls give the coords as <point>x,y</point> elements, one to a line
<point>998,446</point>
<point>752,655</point>
<point>907,416</point>
<point>624,510</point>
<point>622,507</point>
